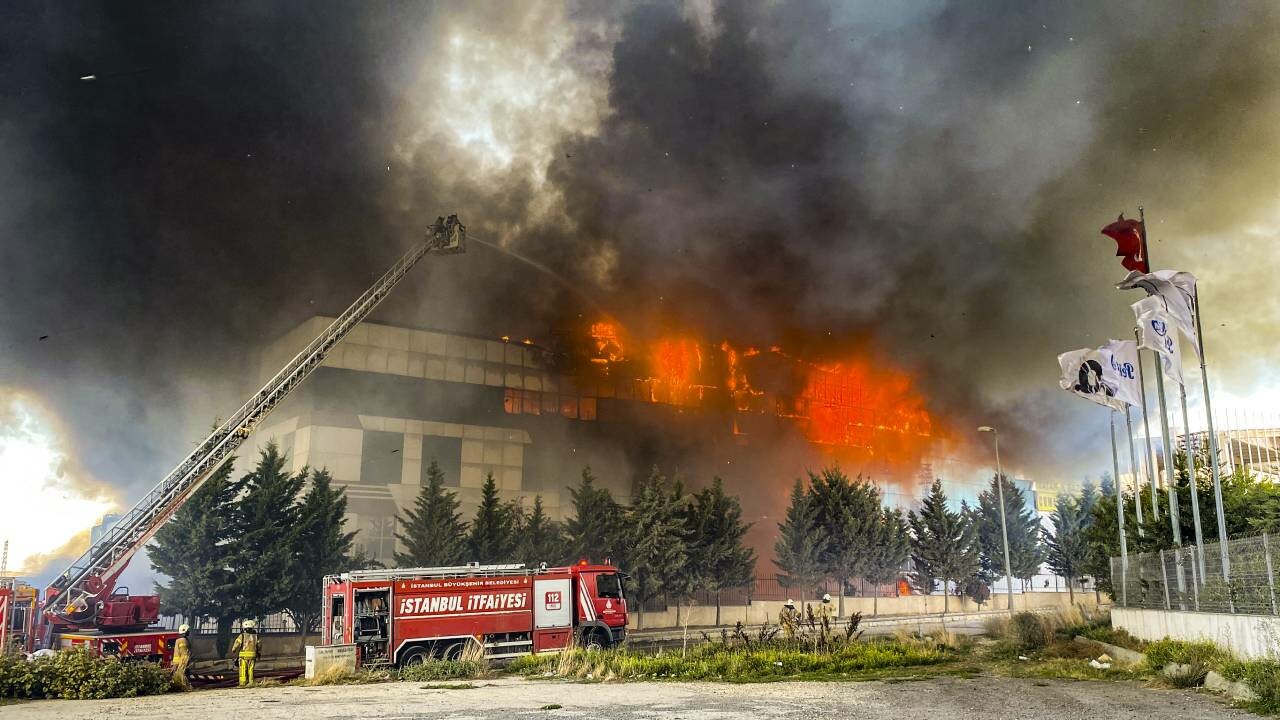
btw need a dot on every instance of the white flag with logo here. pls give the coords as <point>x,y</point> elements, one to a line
<point>1120,370</point>
<point>1157,334</point>
<point>1178,291</point>
<point>1082,375</point>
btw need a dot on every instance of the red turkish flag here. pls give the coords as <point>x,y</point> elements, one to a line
<point>1128,237</point>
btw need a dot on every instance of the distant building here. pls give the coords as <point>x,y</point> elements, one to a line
<point>1256,450</point>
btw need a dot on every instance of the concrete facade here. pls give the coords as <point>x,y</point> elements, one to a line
<point>1251,637</point>
<point>379,451</point>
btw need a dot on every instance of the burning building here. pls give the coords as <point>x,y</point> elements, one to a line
<point>389,400</point>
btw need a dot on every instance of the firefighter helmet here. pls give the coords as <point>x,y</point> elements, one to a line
<point>184,628</point>
<point>789,603</point>
<point>826,597</point>
<point>249,624</point>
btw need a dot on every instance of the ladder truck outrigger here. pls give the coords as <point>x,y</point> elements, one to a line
<point>83,606</point>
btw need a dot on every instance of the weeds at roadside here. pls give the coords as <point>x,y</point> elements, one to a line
<point>757,659</point>
<point>449,686</point>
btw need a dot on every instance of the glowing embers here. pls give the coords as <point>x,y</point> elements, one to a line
<point>607,342</point>
<point>859,405</point>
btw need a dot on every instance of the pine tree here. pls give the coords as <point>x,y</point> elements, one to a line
<point>1089,494</point>
<point>195,549</point>
<point>593,531</point>
<point>847,511</point>
<point>888,553</point>
<point>800,542</point>
<point>322,547</point>
<point>268,528</point>
<point>434,534</point>
<point>1102,537</point>
<point>541,539</point>
<point>943,545</point>
<point>1066,542</point>
<point>493,533</point>
<point>718,559</point>
<point>1026,551</point>
<point>655,535</point>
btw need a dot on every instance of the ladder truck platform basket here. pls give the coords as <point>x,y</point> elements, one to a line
<point>406,616</point>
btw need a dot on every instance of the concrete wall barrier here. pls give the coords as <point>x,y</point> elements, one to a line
<point>907,605</point>
<point>291,645</point>
<point>1252,637</point>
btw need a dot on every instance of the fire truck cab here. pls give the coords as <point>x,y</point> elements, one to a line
<point>405,616</point>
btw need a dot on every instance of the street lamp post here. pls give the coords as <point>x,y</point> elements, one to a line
<point>1004,527</point>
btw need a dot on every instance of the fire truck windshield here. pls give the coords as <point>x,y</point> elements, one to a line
<point>609,585</point>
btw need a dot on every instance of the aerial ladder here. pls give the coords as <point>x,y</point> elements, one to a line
<point>84,596</point>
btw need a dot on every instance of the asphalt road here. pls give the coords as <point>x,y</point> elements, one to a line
<point>980,698</point>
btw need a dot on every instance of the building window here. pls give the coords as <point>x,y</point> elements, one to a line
<point>381,458</point>
<point>532,402</point>
<point>378,537</point>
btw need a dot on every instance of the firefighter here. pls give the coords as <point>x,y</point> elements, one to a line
<point>247,643</point>
<point>181,657</point>
<point>826,611</point>
<point>789,618</point>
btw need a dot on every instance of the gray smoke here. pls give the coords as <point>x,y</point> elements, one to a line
<point>923,184</point>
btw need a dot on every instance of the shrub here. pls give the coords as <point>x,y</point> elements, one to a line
<point>1028,631</point>
<point>1262,677</point>
<point>1205,654</point>
<point>77,675</point>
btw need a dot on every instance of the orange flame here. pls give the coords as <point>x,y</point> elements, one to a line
<point>854,404</point>
<point>857,404</point>
<point>608,342</point>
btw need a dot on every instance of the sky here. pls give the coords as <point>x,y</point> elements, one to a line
<point>923,181</point>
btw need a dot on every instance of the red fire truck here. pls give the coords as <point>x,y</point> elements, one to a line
<point>17,616</point>
<point>404,616</point>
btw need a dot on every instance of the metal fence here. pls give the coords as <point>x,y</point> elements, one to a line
<point>1192,578</point>
<point>274,623</point>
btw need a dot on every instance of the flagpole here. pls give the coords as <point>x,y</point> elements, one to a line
<point>1213,445</point>
<point>1124,545</point>
<point>1146,429</point>
<point>1170,482</point>
<point>1191,470</point>
<point>1133,466</point>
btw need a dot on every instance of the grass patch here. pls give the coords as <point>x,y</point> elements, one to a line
<point>1262,677</point>
<point>429,671</point>
<point>445,670</point>
<point>761,662</point>
<point>551,706</point>
<point>1051,668</point>
<point>449,686</point>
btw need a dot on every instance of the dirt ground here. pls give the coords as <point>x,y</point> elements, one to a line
<point>951,698</point>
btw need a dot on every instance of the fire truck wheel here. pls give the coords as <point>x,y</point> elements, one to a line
<point>452,652</point>
<point>592,641</point>
<point>414,656</point>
